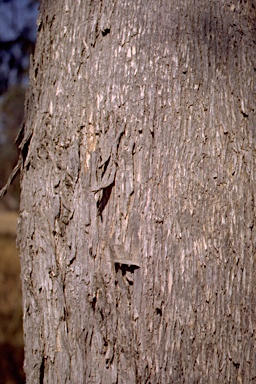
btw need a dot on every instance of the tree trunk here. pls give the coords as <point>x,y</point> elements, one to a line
<point>137,218</point>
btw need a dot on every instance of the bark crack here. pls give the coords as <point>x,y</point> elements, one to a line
<point>41,379</point>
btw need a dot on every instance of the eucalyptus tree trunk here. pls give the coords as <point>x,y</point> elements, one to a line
<point>137,219</point>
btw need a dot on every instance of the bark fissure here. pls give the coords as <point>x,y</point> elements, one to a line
<point>41,378</point>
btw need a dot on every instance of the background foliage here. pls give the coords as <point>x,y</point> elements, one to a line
<point>17,41</point>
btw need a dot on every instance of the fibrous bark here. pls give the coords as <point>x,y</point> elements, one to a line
<point>137,229</point>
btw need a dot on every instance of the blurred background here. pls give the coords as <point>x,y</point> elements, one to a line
<point>17,41</point>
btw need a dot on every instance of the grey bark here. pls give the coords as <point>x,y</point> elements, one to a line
<point>137,216</point>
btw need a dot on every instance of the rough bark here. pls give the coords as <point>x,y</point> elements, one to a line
<point>137,217</point>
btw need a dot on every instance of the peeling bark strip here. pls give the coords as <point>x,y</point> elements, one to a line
<point>23,141</point>
<point>137,219</point>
